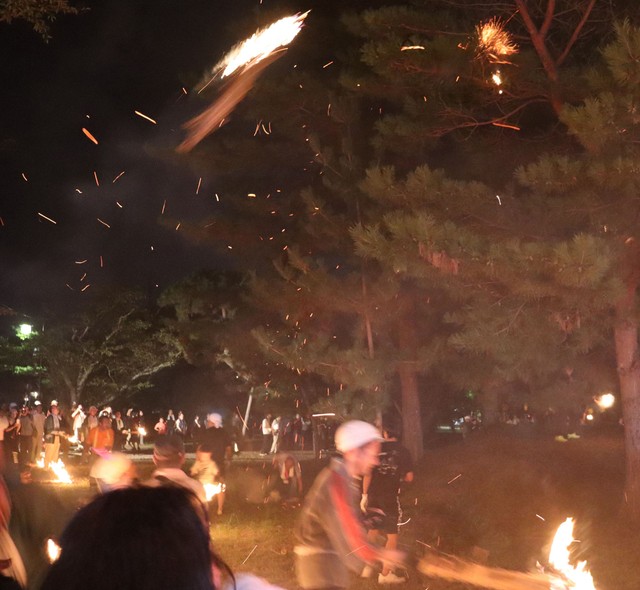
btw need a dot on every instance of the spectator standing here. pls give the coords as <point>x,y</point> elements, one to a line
<point>11,435</point>
<point>267,435</point>
<point>118,431</point>
<point>101,438</point>
<point>78,417</point>
<point>53,430</point>
<point>171,422</point>
<point>38,427</point>
<point>181,425</point>
<point>4,423</point>
<point>275,430</point>
<point>26,436</point>
<point>161,426</point>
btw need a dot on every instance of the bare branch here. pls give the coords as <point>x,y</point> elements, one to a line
<point>576,32</point>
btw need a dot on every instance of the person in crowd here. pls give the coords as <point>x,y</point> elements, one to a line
<point>171,422</point>
<point>118,431</point>
<point>4,423</point>
<point>25,435</point>
<point>78,417</point>
<point>196,429</point>
<point>91,421</point>
<point>100,439</point>
<point>181,425</point>
<point>296,431</point>
<point>381,491</point>
<point>331,539</point>
<point>53,431</point>
<point>275,430</point>
<point>11,436</point>
<point>217,441</point>
<point>286,481</point>
<point>161,426</point>
<point>267,435</point>
<point>113,471</point>
<point>38,427</point>
<point>138,538</point>
<point>169,457</point>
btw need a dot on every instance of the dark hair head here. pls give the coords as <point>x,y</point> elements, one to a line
<point>136,539</point>
<point>168,450</point>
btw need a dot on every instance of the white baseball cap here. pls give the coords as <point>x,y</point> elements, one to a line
<point>215,419</point>
<point>355,434</point>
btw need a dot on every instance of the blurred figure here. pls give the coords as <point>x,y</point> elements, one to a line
<point>100,439</point>
<point>217,441</point>
<point>381,491</point>
<point>171,422</point>
<point>205,470</point>
<point>118,431</point>
<point>275,431</point>
<point>113,471</point>
<point>38,427</point>
<point>286,481</point>
<point>181,425</point>
<point>161,426</point>
<point>331,539</point>
<point>53,430</point>
<point>169,456</point>
<point>26,436</point>
<point>267,435</point>
<point>79,417</point>
<point>13,566</point>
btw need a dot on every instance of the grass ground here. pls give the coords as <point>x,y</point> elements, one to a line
<point>493,497</point>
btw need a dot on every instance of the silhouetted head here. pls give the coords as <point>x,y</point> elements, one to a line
<point>137,538</point>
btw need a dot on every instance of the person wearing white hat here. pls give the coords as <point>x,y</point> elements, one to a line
<point>331,539</point>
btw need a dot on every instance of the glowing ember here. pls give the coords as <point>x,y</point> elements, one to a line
<point>578,576</point>
<point>212,489</point>
<point>494,41</point>
<point>40,463</point>
<point>61,472</point>
<point>53,550</point>
<point>261,44</point>
<point>142,431</point>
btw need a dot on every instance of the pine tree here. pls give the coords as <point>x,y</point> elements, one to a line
<point>554,260</point>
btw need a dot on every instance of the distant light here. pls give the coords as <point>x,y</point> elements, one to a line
<point>322,415</point>
<point>605,401</point>
<point>589,417</point>
<point>25,330</point>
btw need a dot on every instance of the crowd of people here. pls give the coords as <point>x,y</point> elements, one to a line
<point>334,521</point>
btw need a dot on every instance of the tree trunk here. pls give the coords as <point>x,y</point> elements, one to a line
<point>626,338</point>
<point>412,436</point>
<point>411,418</point>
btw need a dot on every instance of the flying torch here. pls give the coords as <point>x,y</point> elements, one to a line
<point>245,62</point>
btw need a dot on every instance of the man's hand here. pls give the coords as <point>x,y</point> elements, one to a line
<point>364,502</point>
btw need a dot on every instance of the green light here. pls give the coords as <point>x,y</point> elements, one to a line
<point>25,331</point>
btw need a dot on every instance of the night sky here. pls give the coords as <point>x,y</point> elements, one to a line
<point>98,68</point>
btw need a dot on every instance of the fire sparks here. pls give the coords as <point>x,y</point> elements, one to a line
<point>578,576</point>
<point>89,135</point>
<point>60,472</point>
<point>145,117</point>
<point>494,41</point>
<point>47,218</point>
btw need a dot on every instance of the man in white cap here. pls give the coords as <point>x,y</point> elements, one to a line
<point>331,537</point>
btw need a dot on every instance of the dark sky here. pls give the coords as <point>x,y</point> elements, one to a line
<point>100,67</point>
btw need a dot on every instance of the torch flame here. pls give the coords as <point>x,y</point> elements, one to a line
<point>261,44</point>
<point>53,550</point>
<point>142,431</point>
<point>578,575</point>
<point>251,57</point>
<point>212,489</point>
<point>61,472</point>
